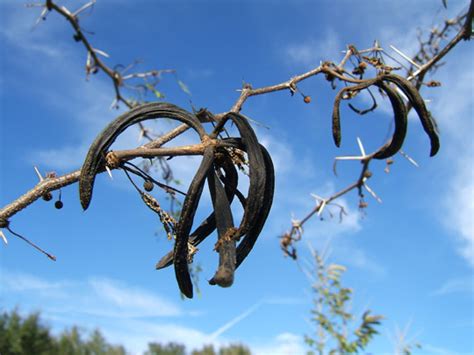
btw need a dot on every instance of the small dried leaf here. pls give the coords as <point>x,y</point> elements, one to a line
<point>184,87</point>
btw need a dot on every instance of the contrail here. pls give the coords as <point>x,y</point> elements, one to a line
<point>235,320</point>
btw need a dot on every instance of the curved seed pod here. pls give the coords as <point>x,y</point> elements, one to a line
<point>246,245</point>
<point>418,104</point>
<point>256,225</point>
<point>95,158</point>
<point>209,224</point>
<point>256,171</point>
<point>224,276</point>
<point>400,119</point>
<point>336,115</point>
<point>185,223</point>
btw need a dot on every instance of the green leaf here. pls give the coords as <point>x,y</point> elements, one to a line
<point>184,87</point>
<point>157,93</point>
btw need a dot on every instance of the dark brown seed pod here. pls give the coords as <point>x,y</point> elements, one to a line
<point>58,204</point>
<point>208,226</point>
<point>95,159</point>
<point>185,223</point>
<point>401,122</point>
<point>225,246</point>
<point>336,115</point>
<point>427,121</point>
<point>307,99</point>
<point>148,186</point>
<point>48,196</point>
<point>256,170</point>
<point>249,239</point>
<point>246,245</point>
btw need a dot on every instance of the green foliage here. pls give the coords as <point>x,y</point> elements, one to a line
<point>232,349</point>
<point>168,349</point>
<point>332,316</point>
<point>158,94</point>
<point>23,336</point>
<point>184,87</point>
<point>28,335</point>
<point>235,349</point>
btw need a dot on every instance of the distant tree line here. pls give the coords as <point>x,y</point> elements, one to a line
<point>27,335</point>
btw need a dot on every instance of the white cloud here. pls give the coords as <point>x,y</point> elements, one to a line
<point>130,301</point>
<point>282,344</point>
<point>463,284</point>
<point>438,350</point>
<point>20,282</point>
<point>453,108</point>
<point>127,314</point>
<point>310,52</point>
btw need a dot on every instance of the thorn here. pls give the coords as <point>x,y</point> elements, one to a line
<point>374,195</point>
<point>40,177</point>
<point>321,207</point>
<point>407,58</point>
<point>113,104</point>
<point>85,7</point>
<point>361,147</point>
<point>5,240</point>
<point>102,53</point>
<point>317,197</point>
<point>109,172</point>
<point>410,159</point>
<point>350,157</point>
<point>64,8</point>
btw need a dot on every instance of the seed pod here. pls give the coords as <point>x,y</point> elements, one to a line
<point>224,276</point>
<point>58,204</point>
<point>336,115</point>
<point>95,159</point>
<point>185,223</point>
<point>429,125</point>
<point>209,224</point>
<point>307,99</point>
<point>401,122</point>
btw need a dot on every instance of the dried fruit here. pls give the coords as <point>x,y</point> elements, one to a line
<point>58,204</point>
<point>48,196</point>
<point>148,185</point>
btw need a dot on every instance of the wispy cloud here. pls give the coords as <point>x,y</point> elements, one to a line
<point>456,285</point>
<point>20,282</point>
<point>313,50</point>
<point>453,108</point>
<point>282,344</point>
<point>132,301</point>
<point>127,314</point>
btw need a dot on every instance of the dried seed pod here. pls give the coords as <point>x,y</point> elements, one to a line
<point>185,223</point>
<point>429,125</point>
<point>208,226</point>
<point>95,159</point>
<point>224,276</point>
<point>246,245</point>
<point>336,115</point>
<point>58,204</point>
<point>307,99</point>
<point>401,122</point>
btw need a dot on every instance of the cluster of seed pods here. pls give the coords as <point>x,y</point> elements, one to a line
<point>401,85</point>
<point>217,168</point>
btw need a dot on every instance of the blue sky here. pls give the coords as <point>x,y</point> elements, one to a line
<point>410,258</point>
